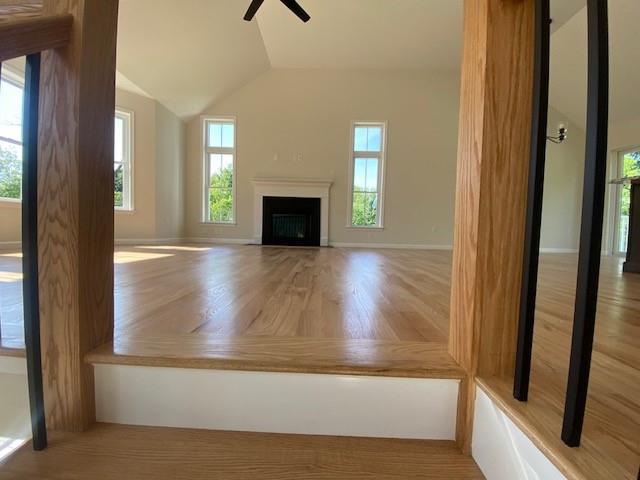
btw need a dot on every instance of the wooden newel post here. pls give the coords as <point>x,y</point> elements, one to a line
<point>493,157</point>
<point>75,207</point>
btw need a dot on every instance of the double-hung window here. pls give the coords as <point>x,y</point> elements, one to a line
<point>367,174</point>
<point>122,161</point>
<point>11,96</point>
<point>219,170</point>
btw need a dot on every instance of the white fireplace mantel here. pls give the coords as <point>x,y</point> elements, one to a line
<point>291,187</point>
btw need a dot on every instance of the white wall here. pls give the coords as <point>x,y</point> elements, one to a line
<point>284,113</point>
<point>158,158</point>
<point>562,200</point>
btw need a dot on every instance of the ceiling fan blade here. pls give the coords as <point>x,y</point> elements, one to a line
<point>297,9</point>
<point>253,8</point>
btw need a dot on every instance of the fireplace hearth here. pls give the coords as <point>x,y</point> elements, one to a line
<point>291,221</point>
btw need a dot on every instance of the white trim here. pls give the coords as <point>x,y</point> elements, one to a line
<point>399,246</point>
<point>220,241</point>
<point>14,77</point>
<point>291,187</point>
<point>558,250</point>
<point>128,187</point>
<point>296,403</point>
<point>502,450</point>
<point>382,173</point>
<point>10,202</point>
<point>614,210</point>
<point>147,241</point>
<point>206,151</point>
<point>11,245</point>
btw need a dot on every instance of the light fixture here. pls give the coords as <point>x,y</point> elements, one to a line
<point>561,136</point>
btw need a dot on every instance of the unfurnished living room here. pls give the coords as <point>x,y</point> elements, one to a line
<point>319,239</point>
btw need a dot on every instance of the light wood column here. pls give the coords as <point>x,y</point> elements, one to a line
<point>75,202</point>
<point>493,155</point>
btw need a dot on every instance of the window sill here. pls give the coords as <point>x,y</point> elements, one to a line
<point>374,227</point>
<point>220,224</point>
<point>10,202</point>
<point>124,211</point>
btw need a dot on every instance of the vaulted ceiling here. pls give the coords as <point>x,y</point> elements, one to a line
<point>189,53</point>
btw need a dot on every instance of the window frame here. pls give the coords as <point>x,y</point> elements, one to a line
<point>128,187</point>
<point>619,173</point>
<point>206,166</point>
<point>13,76</point>
<point>382,167</point>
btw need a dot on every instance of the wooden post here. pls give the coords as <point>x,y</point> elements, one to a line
<point>75,205</point>
<point>493,158</point>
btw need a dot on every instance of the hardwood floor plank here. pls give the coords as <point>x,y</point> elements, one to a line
<point>283,354</point>
<point>113,452</point>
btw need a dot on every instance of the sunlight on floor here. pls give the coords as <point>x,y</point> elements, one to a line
<point>130,257</point>
<point>181,248</point>
<point>9,445</point>
<point>14,255</point>
<point>15,426</point>
<point>9,277</point>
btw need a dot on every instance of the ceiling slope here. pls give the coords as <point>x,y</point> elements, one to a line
<point>364,34</point>
<point>188,53</point>
<point>568,88</point>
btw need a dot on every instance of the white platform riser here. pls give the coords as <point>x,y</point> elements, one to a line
<point>277,402</point>
<point>502,451</point>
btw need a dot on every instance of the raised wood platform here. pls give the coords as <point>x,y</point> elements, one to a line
<point>329,310</point>
<point>373,312</point>
<point>113,452</point>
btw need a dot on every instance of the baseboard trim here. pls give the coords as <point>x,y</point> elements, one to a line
<point>10,245</point>
<point>558,250</point>
<point>147,241</point>
<point>399,246</point>
<point>297,403</point>
<point>220,241</point>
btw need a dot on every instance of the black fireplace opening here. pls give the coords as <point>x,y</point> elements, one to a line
<point>291,221</point>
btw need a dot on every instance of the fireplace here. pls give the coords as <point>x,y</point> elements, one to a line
<point>291,221</point>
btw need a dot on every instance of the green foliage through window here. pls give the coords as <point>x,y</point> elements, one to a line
<point>221,195</point>
<point>365,207</point>
<point>10,171</point>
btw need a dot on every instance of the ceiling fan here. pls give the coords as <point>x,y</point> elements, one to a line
<point>292,5</point>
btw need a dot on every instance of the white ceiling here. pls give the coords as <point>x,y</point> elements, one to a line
<point>190,53</point>
<point>568,89</point>
<point>364,34</point>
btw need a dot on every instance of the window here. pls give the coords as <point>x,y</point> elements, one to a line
<point>628,166</point>
<point>219,170</point>
<point>11,95</point>
<point>122,161</point>
<point>366,194</point>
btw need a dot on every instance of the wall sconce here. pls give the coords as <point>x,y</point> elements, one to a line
<point>562,135</point>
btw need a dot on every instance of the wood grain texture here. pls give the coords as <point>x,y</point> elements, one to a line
<point>13,9</point>
<point>113,452</point>
<point>379,312</point>
<point>283,354</point>
<point>495,120</point>
<point>610,445</point>
<point>75,221</point>
<point>493,149</point>
<point>24,36</point>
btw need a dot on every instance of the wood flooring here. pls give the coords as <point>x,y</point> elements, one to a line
<point>377,312</point>
<point>114,452</point>
<point>611,436</point>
